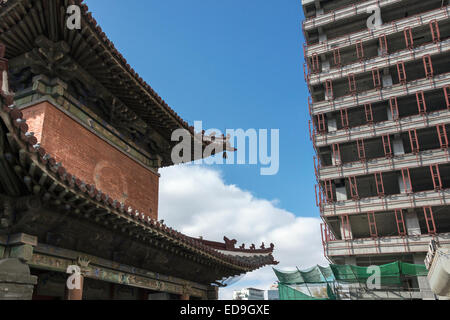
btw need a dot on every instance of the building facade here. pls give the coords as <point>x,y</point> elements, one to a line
<point>249,294</point>
<point>82,138</point>
<point>379,83</point>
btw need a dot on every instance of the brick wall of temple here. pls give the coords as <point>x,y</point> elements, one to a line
<point>93,160</point>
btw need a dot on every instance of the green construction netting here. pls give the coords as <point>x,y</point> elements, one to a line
<point>391,273</point>
<point>409,269</point>
<point>288,293</point>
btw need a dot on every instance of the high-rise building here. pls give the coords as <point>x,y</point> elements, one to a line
<point>378,73</point>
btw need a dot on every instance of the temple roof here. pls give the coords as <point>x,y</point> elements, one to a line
<point>88,55</point>
<point>51,181</point>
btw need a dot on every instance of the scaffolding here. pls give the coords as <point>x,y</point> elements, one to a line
<point>380,114</point>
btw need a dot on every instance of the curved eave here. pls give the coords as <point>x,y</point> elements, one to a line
<point>31,154</point>
<point>104,62</point>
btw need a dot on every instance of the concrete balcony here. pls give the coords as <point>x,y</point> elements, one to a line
<point>386,29</point>
<point>384,165</point>
<point>372,96</point>
<point>387,245</point>
<point>388,203</point>
<point>380,62</point>
<point>345,13</point>
<point>383,128</point>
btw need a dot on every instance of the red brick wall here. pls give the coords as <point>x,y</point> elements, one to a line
<point>93,160</point>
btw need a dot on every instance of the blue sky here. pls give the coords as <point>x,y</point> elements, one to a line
<point>232,64</point>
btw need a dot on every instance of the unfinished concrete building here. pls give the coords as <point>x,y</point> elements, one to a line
<point>380,112</point>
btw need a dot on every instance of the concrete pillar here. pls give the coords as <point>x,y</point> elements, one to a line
<point>332,124</point>
<point>397,142</point>
<point>387,80</point>
<point>322,35</point>
<point>341,192</point>
<point>346,231</point>
<point>424,286</point>
<point>412,224</point>
<point>401,184</point>
<point>351,260</point>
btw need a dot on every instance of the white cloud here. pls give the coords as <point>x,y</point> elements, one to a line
<point>196,201</point>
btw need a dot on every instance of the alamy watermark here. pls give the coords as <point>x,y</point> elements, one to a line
<point>73,21</point>
<point>252,147</point>
<point>374,21</point>
<point>74,280</point>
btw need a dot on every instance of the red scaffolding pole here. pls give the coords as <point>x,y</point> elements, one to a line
<point>428,66</point>
<point>329,88</point>
<point>421,103</point>
<point>360,50</point>
<point>361,150</point>
<point>321,126</point>
<point>372,225</point>
<point>337,57</point>
<point>337,154</point>
<point>379,183</point>
<point>329,191</point>
<point>429,218</point>
<point>447,95</point>
<point>316,167</point>
<point>315,63</point>
<point>435,33</point>
<point>319,198</point>
<point>394,108</point>
<point>406,175</point>
<point>415,148</point>
<point>409,41</point>
<point>436,176</point>
<point>442,135</point>
<point>383,45</point>
<point>368,113</point>
<point>401,72</point>
<point>376,78</point>
<point>344,118</point>
<point>401,227</point>
<point>353,188</point>
<point>351,84</point>
<point>387,146</point>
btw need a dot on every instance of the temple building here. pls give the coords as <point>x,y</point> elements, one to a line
<point>378,73</point>
<point>82,138</point>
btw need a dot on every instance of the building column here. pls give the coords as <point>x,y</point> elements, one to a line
<point>75,282</point>
<point>346,230</point>
<point>424,286</point>
<point>412,224</point>
<point>16,281</point>
<point>212,293</point>
<point>76,294</point>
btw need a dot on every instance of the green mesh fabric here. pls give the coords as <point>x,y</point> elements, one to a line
<point>288,293</point>
<point>391,273</point>
<point>289,277</point>
<point>313,275</point>
<point>327,273</point>
<point>409,269</point>
<point>316,274</point>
